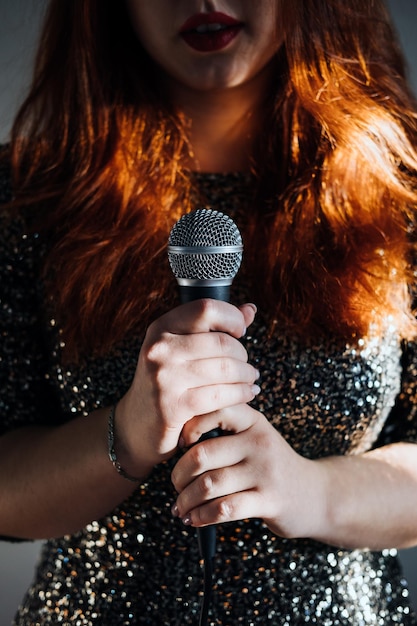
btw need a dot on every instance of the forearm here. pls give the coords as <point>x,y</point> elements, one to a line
<point>55,480</point>
<point>370,500</point>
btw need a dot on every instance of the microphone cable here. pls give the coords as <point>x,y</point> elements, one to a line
<point>207,546</point>
<point>207,592</point>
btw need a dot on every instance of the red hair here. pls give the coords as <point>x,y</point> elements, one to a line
<point>97,150</point>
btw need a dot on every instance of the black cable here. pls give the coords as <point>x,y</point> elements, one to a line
<point>207,546</point>
<point>207,592</point>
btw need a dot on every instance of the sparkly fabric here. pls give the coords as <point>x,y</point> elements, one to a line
<point>138,565</point>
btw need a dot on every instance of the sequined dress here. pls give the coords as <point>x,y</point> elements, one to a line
<point>139,565</point>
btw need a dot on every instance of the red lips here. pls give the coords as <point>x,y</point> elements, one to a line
<point>209,32</point>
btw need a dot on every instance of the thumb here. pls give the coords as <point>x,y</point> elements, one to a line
<point>248,311</point>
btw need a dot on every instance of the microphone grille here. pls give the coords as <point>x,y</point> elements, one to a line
<point>205,245</point>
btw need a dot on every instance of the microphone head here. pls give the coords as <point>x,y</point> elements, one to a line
<point>205,245</point>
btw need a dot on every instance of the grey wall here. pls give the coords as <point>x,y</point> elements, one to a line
<point>19,23</point>
<point>19,27</point>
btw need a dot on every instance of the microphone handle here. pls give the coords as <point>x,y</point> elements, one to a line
<point>188,293</point>
<point>207,534</point>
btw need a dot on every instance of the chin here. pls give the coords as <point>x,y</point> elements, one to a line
<point>213,81</point>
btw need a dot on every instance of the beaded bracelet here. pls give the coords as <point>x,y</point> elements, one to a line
<point>112,452</point>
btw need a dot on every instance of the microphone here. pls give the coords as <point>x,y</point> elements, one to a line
<point>205,252</point>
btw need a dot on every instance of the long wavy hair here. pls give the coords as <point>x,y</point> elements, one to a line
<point>97,156</point>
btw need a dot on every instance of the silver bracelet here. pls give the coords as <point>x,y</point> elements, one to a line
<point>112,452</point>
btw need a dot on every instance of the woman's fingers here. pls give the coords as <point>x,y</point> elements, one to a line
<point>205,315</point>
<point>221,452</point>
<point>202,370</point>
<point>185,348</point>
<point>242,505</point>
<point>207,399</point>
<point>220,496</point>
<point>231,419</point>
<point>216,371</point>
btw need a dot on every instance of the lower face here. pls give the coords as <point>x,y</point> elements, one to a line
<point>208,45</point>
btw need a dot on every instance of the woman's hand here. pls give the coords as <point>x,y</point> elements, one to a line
<point>191,363</point>
<point>252,472</point>
<point>353,501</point>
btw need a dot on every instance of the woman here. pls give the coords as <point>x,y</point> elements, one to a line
<point>295,119</point>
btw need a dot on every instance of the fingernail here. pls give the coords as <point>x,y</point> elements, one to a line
<point>186,520</point>
<point>256,389</point>
<point>253,306</point>
<point>174,511</point>
<point>244,332</point>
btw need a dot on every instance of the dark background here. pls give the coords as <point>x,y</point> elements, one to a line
<point>19,27</point>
